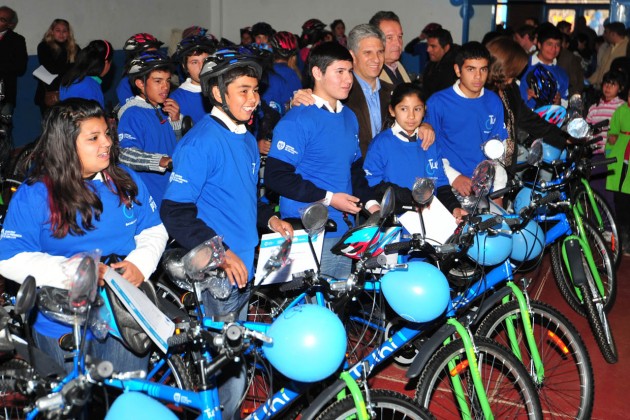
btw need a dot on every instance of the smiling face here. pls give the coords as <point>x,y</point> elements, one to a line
<point>408,113</point>
<point>93,146</point>
<point>549,50</point>
<point>241,97</point>
<point>334,83</point>
<point>393,40</point>
<point>472,75</point>
<point>156,88</point>
<point>369,59</point>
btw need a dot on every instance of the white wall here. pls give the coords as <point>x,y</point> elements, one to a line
<point>116,20</point>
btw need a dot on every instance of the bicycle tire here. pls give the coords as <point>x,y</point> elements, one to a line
<point>388,405</point>
<point>608,228</point>
<point>567,390</point>
<point>596,316</point>
<point>365,321</point>
<point>14,378</point>
<point>174,372</point>
<point>263,307</point>
<point>511,392</point>
<point>603,261</point>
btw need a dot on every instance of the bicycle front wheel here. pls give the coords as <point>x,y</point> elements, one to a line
<point>599,324</point>
<point>446,386</point>
<point>566,390</point>
<point>387,405</point>
<point>14,384</point>
<point>607,227</point>
<point>603,264</point>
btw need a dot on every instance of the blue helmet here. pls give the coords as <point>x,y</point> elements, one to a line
<point>543,83</point>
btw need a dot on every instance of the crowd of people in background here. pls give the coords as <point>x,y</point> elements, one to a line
<point>337,117</point>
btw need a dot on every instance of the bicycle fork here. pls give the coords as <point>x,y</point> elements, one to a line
<point>473,368</point>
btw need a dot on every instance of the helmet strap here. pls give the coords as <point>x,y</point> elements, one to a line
<point>224,104</point>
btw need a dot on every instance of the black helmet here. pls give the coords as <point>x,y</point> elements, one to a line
<point>202,43</point>
<point>262,28</point>
<point>147,61</point>
<point>312,30</point>
<point>217,64</point>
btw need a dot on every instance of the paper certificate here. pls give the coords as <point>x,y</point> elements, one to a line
<point>44,75</point>
<point>155,323</point>
<point>439,223</point>
<point>300,255</point>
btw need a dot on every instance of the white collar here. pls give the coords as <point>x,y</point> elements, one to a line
<point>320,102</point>
<point>459,92</point>
<point>231,125</point>
<point>396,129</point>
<point>536,60</point>
<point>190,87</point>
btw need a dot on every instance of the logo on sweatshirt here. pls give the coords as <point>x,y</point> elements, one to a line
<point>289,149</point>
<point>491,121</point>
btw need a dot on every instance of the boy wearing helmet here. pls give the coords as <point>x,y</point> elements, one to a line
<point>213,190</point>
<point>133,46</point>
<point>315,153</point>
<point>543,82</point>
<point>150,121</point>
<point>190,53</point>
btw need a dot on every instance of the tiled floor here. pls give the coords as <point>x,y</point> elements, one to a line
<point>611,383</point>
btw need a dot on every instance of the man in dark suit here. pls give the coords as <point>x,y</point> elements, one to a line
<point>13,58</point>
<point>440,72</point>
<point>369,97</point>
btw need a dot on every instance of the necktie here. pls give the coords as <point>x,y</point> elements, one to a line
<point>411,138</point>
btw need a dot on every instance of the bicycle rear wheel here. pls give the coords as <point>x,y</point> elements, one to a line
<point>608,226</point>
<point>510,391</point>
<point>603,262</point>
<point>387,405</point>
<point>567,389</point>
<point>14,397</point>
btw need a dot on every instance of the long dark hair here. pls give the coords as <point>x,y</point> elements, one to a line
<point>56,164</point>
<point>90,62</point>
<point>401,92</point>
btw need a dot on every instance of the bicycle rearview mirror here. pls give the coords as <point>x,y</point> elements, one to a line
<point>535,152</point>
<point>314,218</point>
<point>483,178</point>
<point>203,258</point>
<point>388,203</point>
<point>493,149</point>
<point>26,296</point>
<point>578,128</point>
<point>422,191</point>
<point>83,288</point>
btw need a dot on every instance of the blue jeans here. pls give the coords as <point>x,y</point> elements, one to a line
<point>233,377</point>
<point>335,266</point>
<point>111,349</point>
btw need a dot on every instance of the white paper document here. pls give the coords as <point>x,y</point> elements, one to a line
<point>301,256</point>
<point>439,223</point>
<point>155,323</point>
<point>44,75</point>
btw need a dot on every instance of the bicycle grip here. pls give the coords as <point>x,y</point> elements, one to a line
<point>487,224</point>
<point>177,340</point>
<point>376,262</point>
<point>606,161</point>
<point>550,198</point>
<point>600,125</point>
<point>594,140</point>
<point>499,193</point>
<point>397,247</point>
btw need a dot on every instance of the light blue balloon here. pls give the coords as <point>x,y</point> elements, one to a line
<point>418,294</point>
<point>135,405</point>
<point>309,343</point>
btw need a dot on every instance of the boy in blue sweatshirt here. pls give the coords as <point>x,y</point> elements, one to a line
<point>213,191</point>
<point>315,154</point>
<point>465,116</point>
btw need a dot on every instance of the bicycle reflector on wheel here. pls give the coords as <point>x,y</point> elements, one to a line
<point>309,343</point>
<point>418,294</point>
